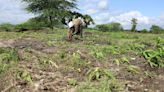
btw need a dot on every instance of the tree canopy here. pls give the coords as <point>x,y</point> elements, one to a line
<point>51,11</point>
<point>156,29</point>
<point>54,12</point>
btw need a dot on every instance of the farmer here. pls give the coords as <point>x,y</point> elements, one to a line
<point>75,28</point>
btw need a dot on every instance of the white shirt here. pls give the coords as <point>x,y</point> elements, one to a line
<point>70,24</point>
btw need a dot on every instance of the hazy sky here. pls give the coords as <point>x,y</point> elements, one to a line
<point>147,12</point>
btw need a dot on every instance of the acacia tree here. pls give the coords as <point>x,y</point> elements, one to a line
<point>51,11</point>
<point>134,24</point>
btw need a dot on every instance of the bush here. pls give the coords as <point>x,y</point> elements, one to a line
<point>103,28</point>
<point>28,25</point>
<point>110,27</point>
<point>32,24</point>
<point>144,31</point>
<point>156,29</point>
<point>7,27</point>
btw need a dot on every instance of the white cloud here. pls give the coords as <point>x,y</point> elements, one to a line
<point>103,4</point>
<point>100,12</point>
<point>102,18</point>
<point>98,9</point>
<point>91,11</point>
<point>13,11</point>
<point>143,21</point>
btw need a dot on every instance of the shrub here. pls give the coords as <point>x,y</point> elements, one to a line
<point>31,24</point>
<point>103,28</point>
<point>144,31</point>
<point>156,29</point>
<point>110,27</point>
<point>7,27</point>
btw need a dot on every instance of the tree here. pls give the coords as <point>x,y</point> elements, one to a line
<point>88,20</point>
<point>156,29</point>
<point>134,24</point>
<point>114,26</point>
<point>144,31</point>
<point>51,11</point>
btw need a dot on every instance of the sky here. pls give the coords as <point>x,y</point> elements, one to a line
<point>147,12</point>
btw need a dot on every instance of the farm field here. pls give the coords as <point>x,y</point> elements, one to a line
<point>45,61</point>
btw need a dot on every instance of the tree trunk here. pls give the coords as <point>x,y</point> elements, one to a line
<point>51,22</point>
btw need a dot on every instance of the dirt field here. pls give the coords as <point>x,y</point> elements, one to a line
<point>100,62</point>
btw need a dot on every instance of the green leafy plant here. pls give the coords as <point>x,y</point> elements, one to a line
<point>97,53</point>
<point>72,82</point>
<point>149,74</point>
<point>7,54</point>
<point>101,86</point>
<point>97,73</point>
<point>159,42</point>
<point>117,62</point>
<point>133,69</point>
<point>102,52</point>
<point>76,61</point>
<point>125,60</point>
<point>8,58</point>
<point>121,61</point>
<point>155,58</point>
<point>137,47</point>
<point>24,75</point>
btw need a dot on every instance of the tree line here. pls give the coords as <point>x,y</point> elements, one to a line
<point>115,26</point>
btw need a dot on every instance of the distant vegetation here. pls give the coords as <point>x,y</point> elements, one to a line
<point>110,27</point>
<point>36,24</point>
<point>118,27</point>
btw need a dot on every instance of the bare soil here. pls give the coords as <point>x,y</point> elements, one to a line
<point>55,78</point>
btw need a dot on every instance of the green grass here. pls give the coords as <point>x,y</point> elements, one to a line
<point>8,59</point>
